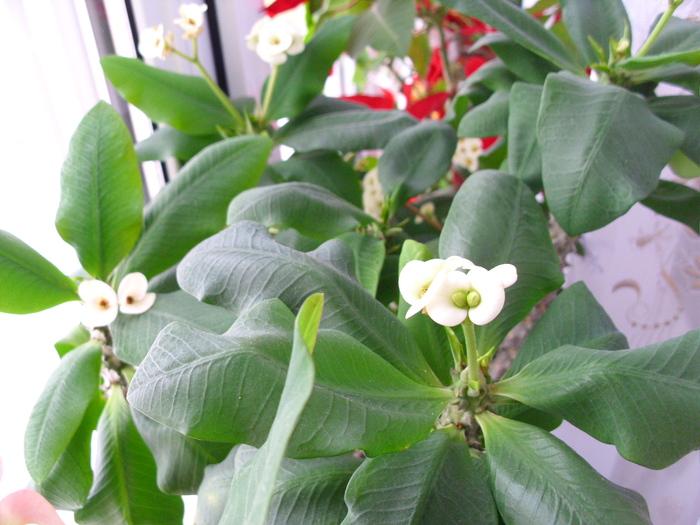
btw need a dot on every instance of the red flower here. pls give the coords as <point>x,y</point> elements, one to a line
<point>281,6</point>
<point>432,106</point>
<point>385,101</point>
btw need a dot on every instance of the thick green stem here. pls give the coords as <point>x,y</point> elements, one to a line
<point>672,6</point>
<point>474,377</point>
<point>268,92</point>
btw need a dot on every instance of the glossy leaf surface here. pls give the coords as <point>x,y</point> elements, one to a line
<point>386,26</point>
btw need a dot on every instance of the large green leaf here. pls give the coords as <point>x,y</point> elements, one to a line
<point>180,460</point>
<point>386,26</point>
<point>684,113</point>
<point>323,168</point>
<point>678,74</point>
<point>169,142</point>
<point>345,131</point>
<point>415,159</point>
<point>495,219</point>
<point>434,481</point>
<point>369,258</point>
<point>644,401</point>
<point>243,265</point>
<point>193,206</point>
<point>125,488</point>
<point>536,478</point>
<point>310,209</point>
<point>133,335</point>
<point>520,26</point>
<point>599,20</point>
<point>184,102</point>
<point>488,119</point>
<point>615,150</point>
<point>431,337</point>
<point>72,340</point>
<point>60,408</point>
<point>253,486</point>
<point>209,387</point>
<point>524,63</point>
<point>676,201</point>
<point>524,156</point>
<point>302,77</point>
<point>573,318</point>
<point>100,212</point>
<point>68,484</point>
<point>690,58</point>
<point>28,282</point>
<point>307,491</point>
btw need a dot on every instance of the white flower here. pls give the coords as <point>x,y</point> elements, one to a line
<point>133,296</point>
<point>449,295</point>
<point>152,43</point>
<point>275,38</point>
<point>372,194</point>
<point>417,277</point>
<point>100,303</point>
<point>468,153</point>
<point>192,20</point>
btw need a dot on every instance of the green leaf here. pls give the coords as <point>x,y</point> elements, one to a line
<point>493,75</point>
<point>488,119</point>
<point>180,460</point>
<point>683,166</point>
<point>676,201</point>
<point>573,318</point>
<point>524,156</point>
<point>520,26</point>
<point>133,335</point>
<point>615,150</point>
<point>100,212</point>
<point>68,484</point>
<point>676,36</point>
<point>252,487</point>
<point>494,220</point>
<point>168,142</point>
<point>536,478</point>
<point>431,337</point>
<point>415,159</point>
<point>60,408</point>
<point>307,491</point>
<point>434,481</point>
<point>184,102</point>
<point>684,113</point>
<point>28,282</point>
<point>369,258</point>
<point>193,206</point>
<point>243,265</point>
<point>524,63</point>
<point>72,340</point>
<point>209,387</point>
<point>310,209</point>
<point>386,26</point>
<point>600,20</point>
<point>678,74</point>
<point>344,131</point>
<point>323,168</point>
<point>125,488</point>
<point>302,77</point>
<point>644,401</point>
<point>689,58</point>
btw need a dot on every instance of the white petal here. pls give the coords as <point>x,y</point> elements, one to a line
<point>152,42</point>
<point>415,278</point>
<point>440,305</point>
<point>493,297</point>
<point>138,307</point>
<point>506,273</point>
<point>455,262</point>
<point>99,303</point>
<point>133,288</point>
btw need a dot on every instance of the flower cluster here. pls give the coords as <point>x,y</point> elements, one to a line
<point>101,303</point>
<point>154,43</point>
<point>449,295</point>
<point>273,38</point>
<point>468,153</point>
<point>372,194</point>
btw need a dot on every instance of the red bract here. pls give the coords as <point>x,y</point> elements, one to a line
<point>430,107</point>
<point>280,6</point>
<point>473,63</point>
<point>488,142</point>
<point>435,73</point>
<point>385,101</point>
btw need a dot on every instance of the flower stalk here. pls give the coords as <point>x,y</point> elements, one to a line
<point>672,6</point>
<point>473,371</point>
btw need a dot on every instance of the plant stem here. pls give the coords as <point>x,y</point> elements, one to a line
<point>240,124</point>
<point>268,92</point>
<point>449,82</point>
<point>456,348</point>
<point>473,377</point>
<point>672,6</point>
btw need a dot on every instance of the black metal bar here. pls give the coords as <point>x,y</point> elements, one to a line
<point>217,50</point>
